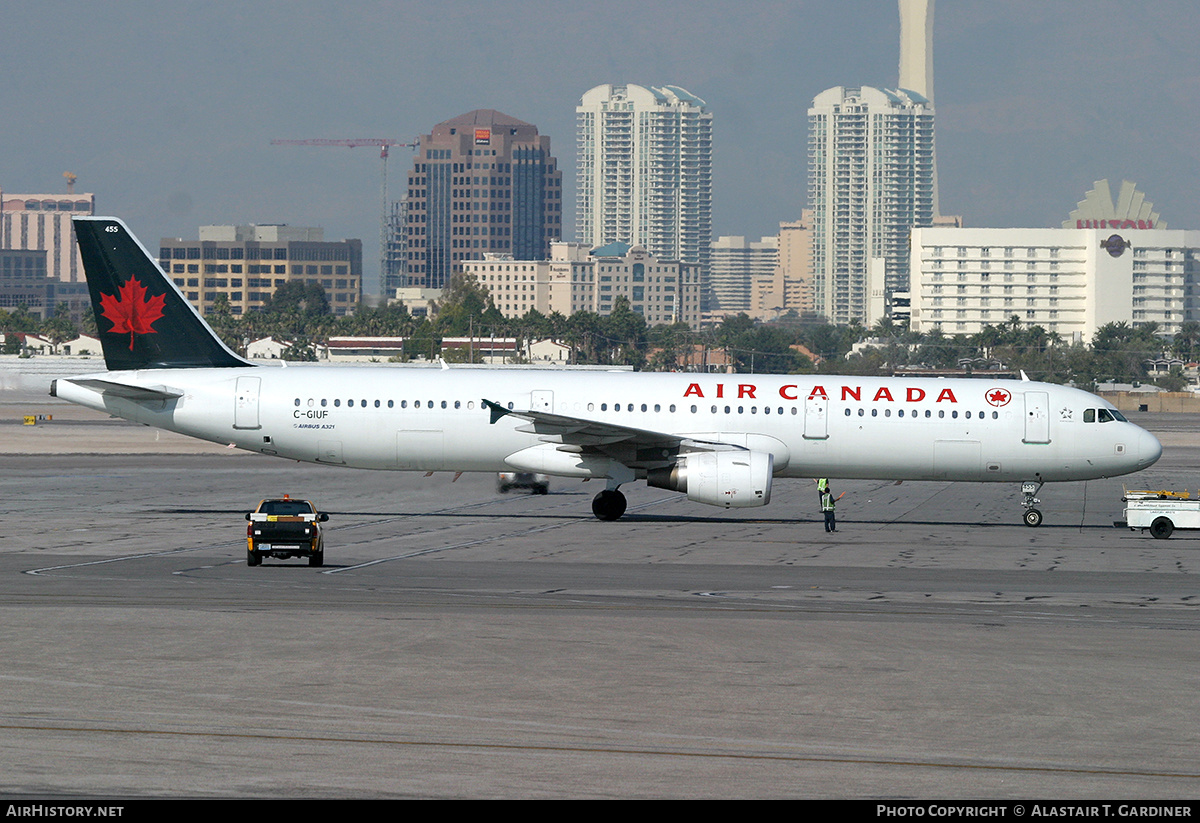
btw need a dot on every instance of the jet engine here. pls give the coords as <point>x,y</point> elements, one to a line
<point>729,479</point>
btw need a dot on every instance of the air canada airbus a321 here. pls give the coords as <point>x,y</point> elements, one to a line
<point>719,439</point>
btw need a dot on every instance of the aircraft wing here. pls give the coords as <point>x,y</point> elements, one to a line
<point>625,443</point>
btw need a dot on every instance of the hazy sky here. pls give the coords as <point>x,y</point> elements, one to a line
<point>165,110</point>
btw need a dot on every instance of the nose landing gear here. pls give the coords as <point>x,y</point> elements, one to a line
<point>1029,490</point>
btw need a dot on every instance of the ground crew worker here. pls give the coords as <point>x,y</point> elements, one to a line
<point>822,486</point>
<point>827,508</point>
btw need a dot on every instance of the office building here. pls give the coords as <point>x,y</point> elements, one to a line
<point>575,279</point>
<point>481,183</point>
<point>870,182</point>
<point>735,266</point>
<point>789,288</point>
<point>645,170</point>
<point>43,222</point>
<point>247,264</point>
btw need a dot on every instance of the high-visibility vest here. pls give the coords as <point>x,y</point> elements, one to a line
<point>822,485</point>
<point>827,502</point>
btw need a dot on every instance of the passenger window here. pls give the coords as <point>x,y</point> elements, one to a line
<point>297,401</point>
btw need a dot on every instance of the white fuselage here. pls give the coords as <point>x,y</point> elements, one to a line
<point>396,418</point>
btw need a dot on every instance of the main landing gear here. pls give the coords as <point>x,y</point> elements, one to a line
<point>1029,490</point>
<point>608,505</point>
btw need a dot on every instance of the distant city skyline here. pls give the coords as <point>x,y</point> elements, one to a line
<point>1036,100</point>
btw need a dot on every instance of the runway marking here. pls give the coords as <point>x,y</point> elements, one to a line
<point>616,750</point>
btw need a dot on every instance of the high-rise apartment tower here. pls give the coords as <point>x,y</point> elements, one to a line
<point>645,170</point>
<point>870,167</point>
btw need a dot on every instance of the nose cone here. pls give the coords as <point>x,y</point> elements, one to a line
<point>1148,449</point>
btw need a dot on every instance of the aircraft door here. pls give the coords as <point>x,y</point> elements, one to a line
<point>245,410</point>
<point>1037,417</point>
<point>541,400</point>
<point>816,418</point>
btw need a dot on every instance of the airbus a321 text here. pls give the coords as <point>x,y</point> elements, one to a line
<point>719,439</point>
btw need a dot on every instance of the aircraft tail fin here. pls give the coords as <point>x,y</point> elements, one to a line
<point>143,320</point>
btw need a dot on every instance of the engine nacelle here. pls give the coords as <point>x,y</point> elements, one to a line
<point>729,479</point>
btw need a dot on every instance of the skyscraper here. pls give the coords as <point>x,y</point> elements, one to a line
<point>645,170</point>
<point>735,266</point>
<point>483,182</point>
<point>870,167</point>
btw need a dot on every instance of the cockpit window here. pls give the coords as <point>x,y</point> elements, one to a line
<point>1106,416</point>
<point>1089,415</point>
<point>1116,414</point>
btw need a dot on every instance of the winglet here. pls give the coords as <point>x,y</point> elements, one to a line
<point>496,409</point>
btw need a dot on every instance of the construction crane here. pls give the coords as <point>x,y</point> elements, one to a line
<point>71,178</point>
<point>357,142</point>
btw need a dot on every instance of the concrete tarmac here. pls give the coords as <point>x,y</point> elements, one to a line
<point>463,643</point>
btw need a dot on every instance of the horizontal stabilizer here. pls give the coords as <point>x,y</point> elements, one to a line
<point>115,389</point>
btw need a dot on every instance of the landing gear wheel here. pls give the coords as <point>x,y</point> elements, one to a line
<point>317,559</point>
<point>608,505</point>
<point>1162,527</point>
<point>1033,518</point>
<point>253,559</point>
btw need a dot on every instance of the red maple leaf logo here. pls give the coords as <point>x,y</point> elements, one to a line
<point>130,311</point>
<point>999,397</point>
